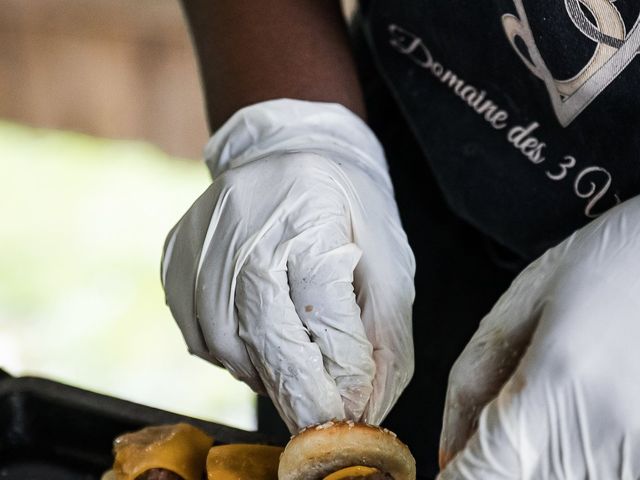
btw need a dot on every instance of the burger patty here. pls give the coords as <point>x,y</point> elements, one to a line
<point>373,476</point>
<point>162,474</point>
<point>159,474</point>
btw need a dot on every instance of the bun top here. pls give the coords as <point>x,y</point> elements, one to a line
<point>320,450</point>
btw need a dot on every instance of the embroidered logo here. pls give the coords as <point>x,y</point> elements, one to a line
<point>615,49</point>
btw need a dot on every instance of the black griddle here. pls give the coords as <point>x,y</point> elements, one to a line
<point>51,431</point>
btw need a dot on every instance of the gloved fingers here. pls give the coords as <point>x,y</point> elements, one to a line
<point>494,450</point>
<point>167,253</point>
<point>385,292</point>
<point>311,219</point>
<point>181,256</point>
<point>491,357</point>
<point>320,271</point>
<point>389,328</point>
<point>210,332</point>
<point>545,425</point>
<point>290,365</point>
<point>568,411</point>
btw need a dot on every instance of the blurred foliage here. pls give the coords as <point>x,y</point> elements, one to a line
<point>83,224</point>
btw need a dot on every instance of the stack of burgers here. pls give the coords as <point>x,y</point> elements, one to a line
<point>336,450</point>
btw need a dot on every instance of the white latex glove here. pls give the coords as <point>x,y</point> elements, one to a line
<point>553,372</point>
<point>292,269</point>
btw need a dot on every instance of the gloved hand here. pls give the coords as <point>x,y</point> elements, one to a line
<point>292,269</point>
<point>550,382</point>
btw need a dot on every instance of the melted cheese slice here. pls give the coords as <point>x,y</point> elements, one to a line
<point>352,472</point>
<point>243,462</point>
<point>180,448</point>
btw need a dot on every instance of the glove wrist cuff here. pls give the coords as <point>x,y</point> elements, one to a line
<point>297,126</point>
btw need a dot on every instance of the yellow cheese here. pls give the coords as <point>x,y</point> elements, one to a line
<point>352,472</point>
<point>243,462</point>
<point>180,448</point>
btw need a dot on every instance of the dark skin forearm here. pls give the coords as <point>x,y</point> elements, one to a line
<point>255,50</point>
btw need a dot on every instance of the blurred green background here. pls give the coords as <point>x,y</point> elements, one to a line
<point>83,225</point>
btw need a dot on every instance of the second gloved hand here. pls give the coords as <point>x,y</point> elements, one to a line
<point>292,269</point>
<point>548,388</point>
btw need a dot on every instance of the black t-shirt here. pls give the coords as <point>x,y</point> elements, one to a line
<point>527,110</point>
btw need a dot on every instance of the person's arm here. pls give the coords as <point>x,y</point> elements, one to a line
<point>251,51</point>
